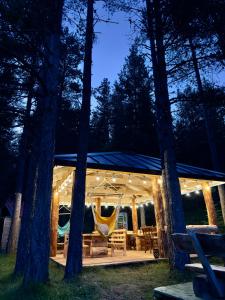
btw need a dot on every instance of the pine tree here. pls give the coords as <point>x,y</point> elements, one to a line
<point>133,123</point>
<point>100,123</point>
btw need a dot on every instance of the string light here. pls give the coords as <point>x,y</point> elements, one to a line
<point>159,180</point>
<point>114,179</point>
<point>97,178</point>
<point>197,192</point>
<point>188,195</point>
<point>144,181</point>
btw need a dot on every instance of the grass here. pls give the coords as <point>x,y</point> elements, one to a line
<point>119,283</point>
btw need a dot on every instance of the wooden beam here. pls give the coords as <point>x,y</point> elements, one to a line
<point>159,216</point>
<point>210,207</point>
<point>54,222</point>
<point>134,216</point>
<point>98,205</point>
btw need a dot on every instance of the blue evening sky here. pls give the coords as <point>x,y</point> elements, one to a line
<point>111,47</point>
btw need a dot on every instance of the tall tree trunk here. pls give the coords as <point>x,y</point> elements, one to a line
<point>165,132</point>
<point>36,269</point>
<point>74,258</point>
<point>15,227</point>
<point>208,126</point>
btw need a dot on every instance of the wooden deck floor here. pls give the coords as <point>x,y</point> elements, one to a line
<point>132,257</point>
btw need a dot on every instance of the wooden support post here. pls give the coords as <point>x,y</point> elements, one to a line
<point>98,208</point>
<point>98,205</point>
<point>210,207</point>
<point>159,216</point>
<point>142,212</point>
<point>54,222</point>
<point>134,216</point>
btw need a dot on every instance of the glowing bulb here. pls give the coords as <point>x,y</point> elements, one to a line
<point>97,178</point>
<point>185,185</point>
<point>188,195</point>
<point>159,181</point>
<point>114,179</point>
<point>129,180</point>
<point>141,205</point>
<point>144,181</point>
<point>197,192</point>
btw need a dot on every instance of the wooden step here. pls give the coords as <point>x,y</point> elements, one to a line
<point>183,291</point>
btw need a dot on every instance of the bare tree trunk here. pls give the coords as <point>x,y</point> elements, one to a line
<point>208,126</point>
<point>74,258</point>
<point>15,227</point>
<point>36,269</point>
<point>165,132</point>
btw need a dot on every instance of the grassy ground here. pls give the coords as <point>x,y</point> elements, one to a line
<point>94,284</point>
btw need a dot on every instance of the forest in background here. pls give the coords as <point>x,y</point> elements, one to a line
<point>123,114</point>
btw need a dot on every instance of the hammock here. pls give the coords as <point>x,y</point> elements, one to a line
<point>105,225</point>
<point>62,230</point>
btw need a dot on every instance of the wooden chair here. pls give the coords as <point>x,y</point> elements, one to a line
<point>210,285</point>
<point>86,247</point>
<point>149,237</point>
<point>118,241</point>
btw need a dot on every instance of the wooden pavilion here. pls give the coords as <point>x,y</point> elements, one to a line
<point>132,180</point>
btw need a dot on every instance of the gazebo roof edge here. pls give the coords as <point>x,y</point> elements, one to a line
<point>136,163</point>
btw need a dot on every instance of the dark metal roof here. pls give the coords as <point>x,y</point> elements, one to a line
<point>136,163</point>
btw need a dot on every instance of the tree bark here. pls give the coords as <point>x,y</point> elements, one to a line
<point>74,257</point>
<point>165,131</point>
<point>208,126</point>
<point>15,226</point>
<point>36,269</point>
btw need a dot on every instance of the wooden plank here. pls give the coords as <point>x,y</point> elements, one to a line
<point>197,267</point>
<point>212,244</point>
<point>183,291</point>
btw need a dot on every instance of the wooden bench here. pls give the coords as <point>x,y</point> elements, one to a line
<point>118,241</point>
<point>211,283</point>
